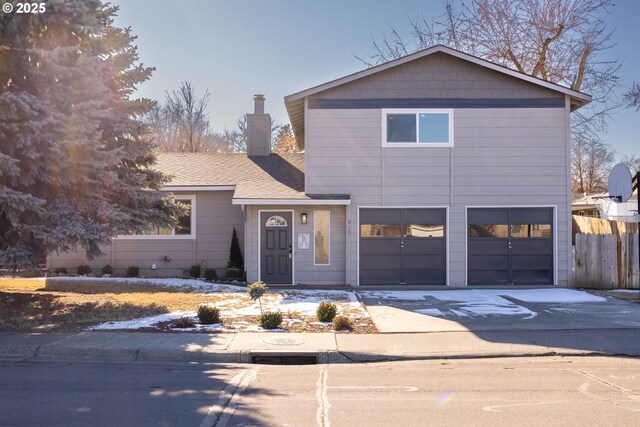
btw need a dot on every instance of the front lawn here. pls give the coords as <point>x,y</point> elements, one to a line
<point>73,304</point>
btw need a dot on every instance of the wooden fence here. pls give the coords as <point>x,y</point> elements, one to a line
<point>607,262</point>
<point>590,225</point>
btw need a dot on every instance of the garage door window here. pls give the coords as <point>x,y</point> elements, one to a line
<point>380,230</point>
<point>488,230</point>
<point>424,230</point>
<point>531,230</point>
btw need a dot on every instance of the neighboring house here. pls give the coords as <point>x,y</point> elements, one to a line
<point>438,168</point>
<point>593,204</point>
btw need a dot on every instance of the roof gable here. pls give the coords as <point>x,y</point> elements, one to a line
<point>437,72</point>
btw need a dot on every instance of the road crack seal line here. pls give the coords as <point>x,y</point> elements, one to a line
<point>629,394</point>
<point>322,414</point>
<point>220,413</point>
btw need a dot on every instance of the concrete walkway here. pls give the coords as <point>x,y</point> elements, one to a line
<point>327,347</point>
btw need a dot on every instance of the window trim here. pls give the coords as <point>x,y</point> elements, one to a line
<point>192,236</point>
<point>328,239</point>
<point>417,112</point>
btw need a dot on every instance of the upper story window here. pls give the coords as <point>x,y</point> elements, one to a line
<point>412,128</point>
<point>185,228</point>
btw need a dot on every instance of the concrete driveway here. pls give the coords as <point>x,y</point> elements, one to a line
<point>453,310</point>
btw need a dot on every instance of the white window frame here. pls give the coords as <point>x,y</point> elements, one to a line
<point>328,239</point>
<point>174,236</point>
<point>417,112</point>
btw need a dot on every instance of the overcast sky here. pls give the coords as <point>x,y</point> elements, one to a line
<point>236,48</point>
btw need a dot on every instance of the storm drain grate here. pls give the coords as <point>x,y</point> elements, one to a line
<point>273,359</point>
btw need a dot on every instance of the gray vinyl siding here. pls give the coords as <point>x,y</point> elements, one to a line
<point>305,272</point>
<point>215,219</point>
<point>501,157</point>
<point>438,76</point>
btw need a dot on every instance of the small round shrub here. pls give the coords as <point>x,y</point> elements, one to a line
<point>256,290</point>
<point>133,271</point>
<point>210,274</point>
<point>326,311</point>
<point>61,270</point>
<point>341,322</point>
<point>184,322</point>
<point>271,319</point>
<point>83,270</point>
<point>195,271</point>
<point>107,270</point>
<point>208,314</point>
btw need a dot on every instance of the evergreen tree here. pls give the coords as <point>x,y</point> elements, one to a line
<point>235,254</point>
<point>76,166</point>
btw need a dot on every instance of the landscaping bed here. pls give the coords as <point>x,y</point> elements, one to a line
<point>73,304</point>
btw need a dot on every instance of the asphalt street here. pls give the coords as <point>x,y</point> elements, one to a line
<point>523,391</point>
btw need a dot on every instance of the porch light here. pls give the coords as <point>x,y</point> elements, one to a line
<point>303,218</point>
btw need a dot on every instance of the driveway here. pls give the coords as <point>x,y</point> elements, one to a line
<point>497,310</point>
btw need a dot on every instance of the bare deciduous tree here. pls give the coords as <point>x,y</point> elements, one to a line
<point>235,140</point>
<point>181,123</point>
<point>633,163</point>
<point>561,41</point>
<point>632,96</point>
<point>591,162</point>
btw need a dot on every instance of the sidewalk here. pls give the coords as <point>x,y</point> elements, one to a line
<point>327,347</point>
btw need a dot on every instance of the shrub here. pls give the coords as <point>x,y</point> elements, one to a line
<point>210,274</point>
<point>195,271</point>
<point>83,270</point>
<point>256,290</point>
<point>326,311</point>
<point>133,271</point>
<point>341,322</point>
<point>107,270</point>
<point>208,314</point>
<point>61,270</point>
<point>184,322</point>
<point>235,254</point>
<point>271,319</point>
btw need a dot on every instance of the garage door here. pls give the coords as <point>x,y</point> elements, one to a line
<point>402,247</point>
<point>510,246</point>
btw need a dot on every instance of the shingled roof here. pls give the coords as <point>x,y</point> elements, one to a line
<point>276,176</point>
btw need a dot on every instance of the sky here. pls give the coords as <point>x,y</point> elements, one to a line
<point>237,48</point>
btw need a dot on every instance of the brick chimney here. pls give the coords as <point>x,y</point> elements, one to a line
<point>258,129</point>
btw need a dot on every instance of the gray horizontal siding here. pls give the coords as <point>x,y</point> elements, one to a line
<point>305,271</point>
<point>437,76</point>
<point>215,219</point>
<point>496,161</point>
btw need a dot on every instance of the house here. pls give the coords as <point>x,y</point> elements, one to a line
<point>438,168</point>
<point>590,205</point>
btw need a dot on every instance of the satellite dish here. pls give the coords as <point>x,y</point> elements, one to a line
<point>620,183</point>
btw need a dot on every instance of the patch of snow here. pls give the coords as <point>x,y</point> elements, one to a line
<point>430,312</point>
<point>196,284</point>
<point>626,291</point>
<point>146,322</point>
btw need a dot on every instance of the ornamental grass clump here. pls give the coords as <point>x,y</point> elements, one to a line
<point>83,270</point>
<point>210,275</point>
<point>107,269</point>
<point>133,271</point>
<point>271,319</point>
<point>326,311</point>
<point>256,290</point>
<point>341,322</point>
<point>184,322</point>
<point>208,314</point>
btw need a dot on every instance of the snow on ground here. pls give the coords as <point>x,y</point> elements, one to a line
<point>485,302</point>
<point>195,284</point>
<point>237,304</point>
